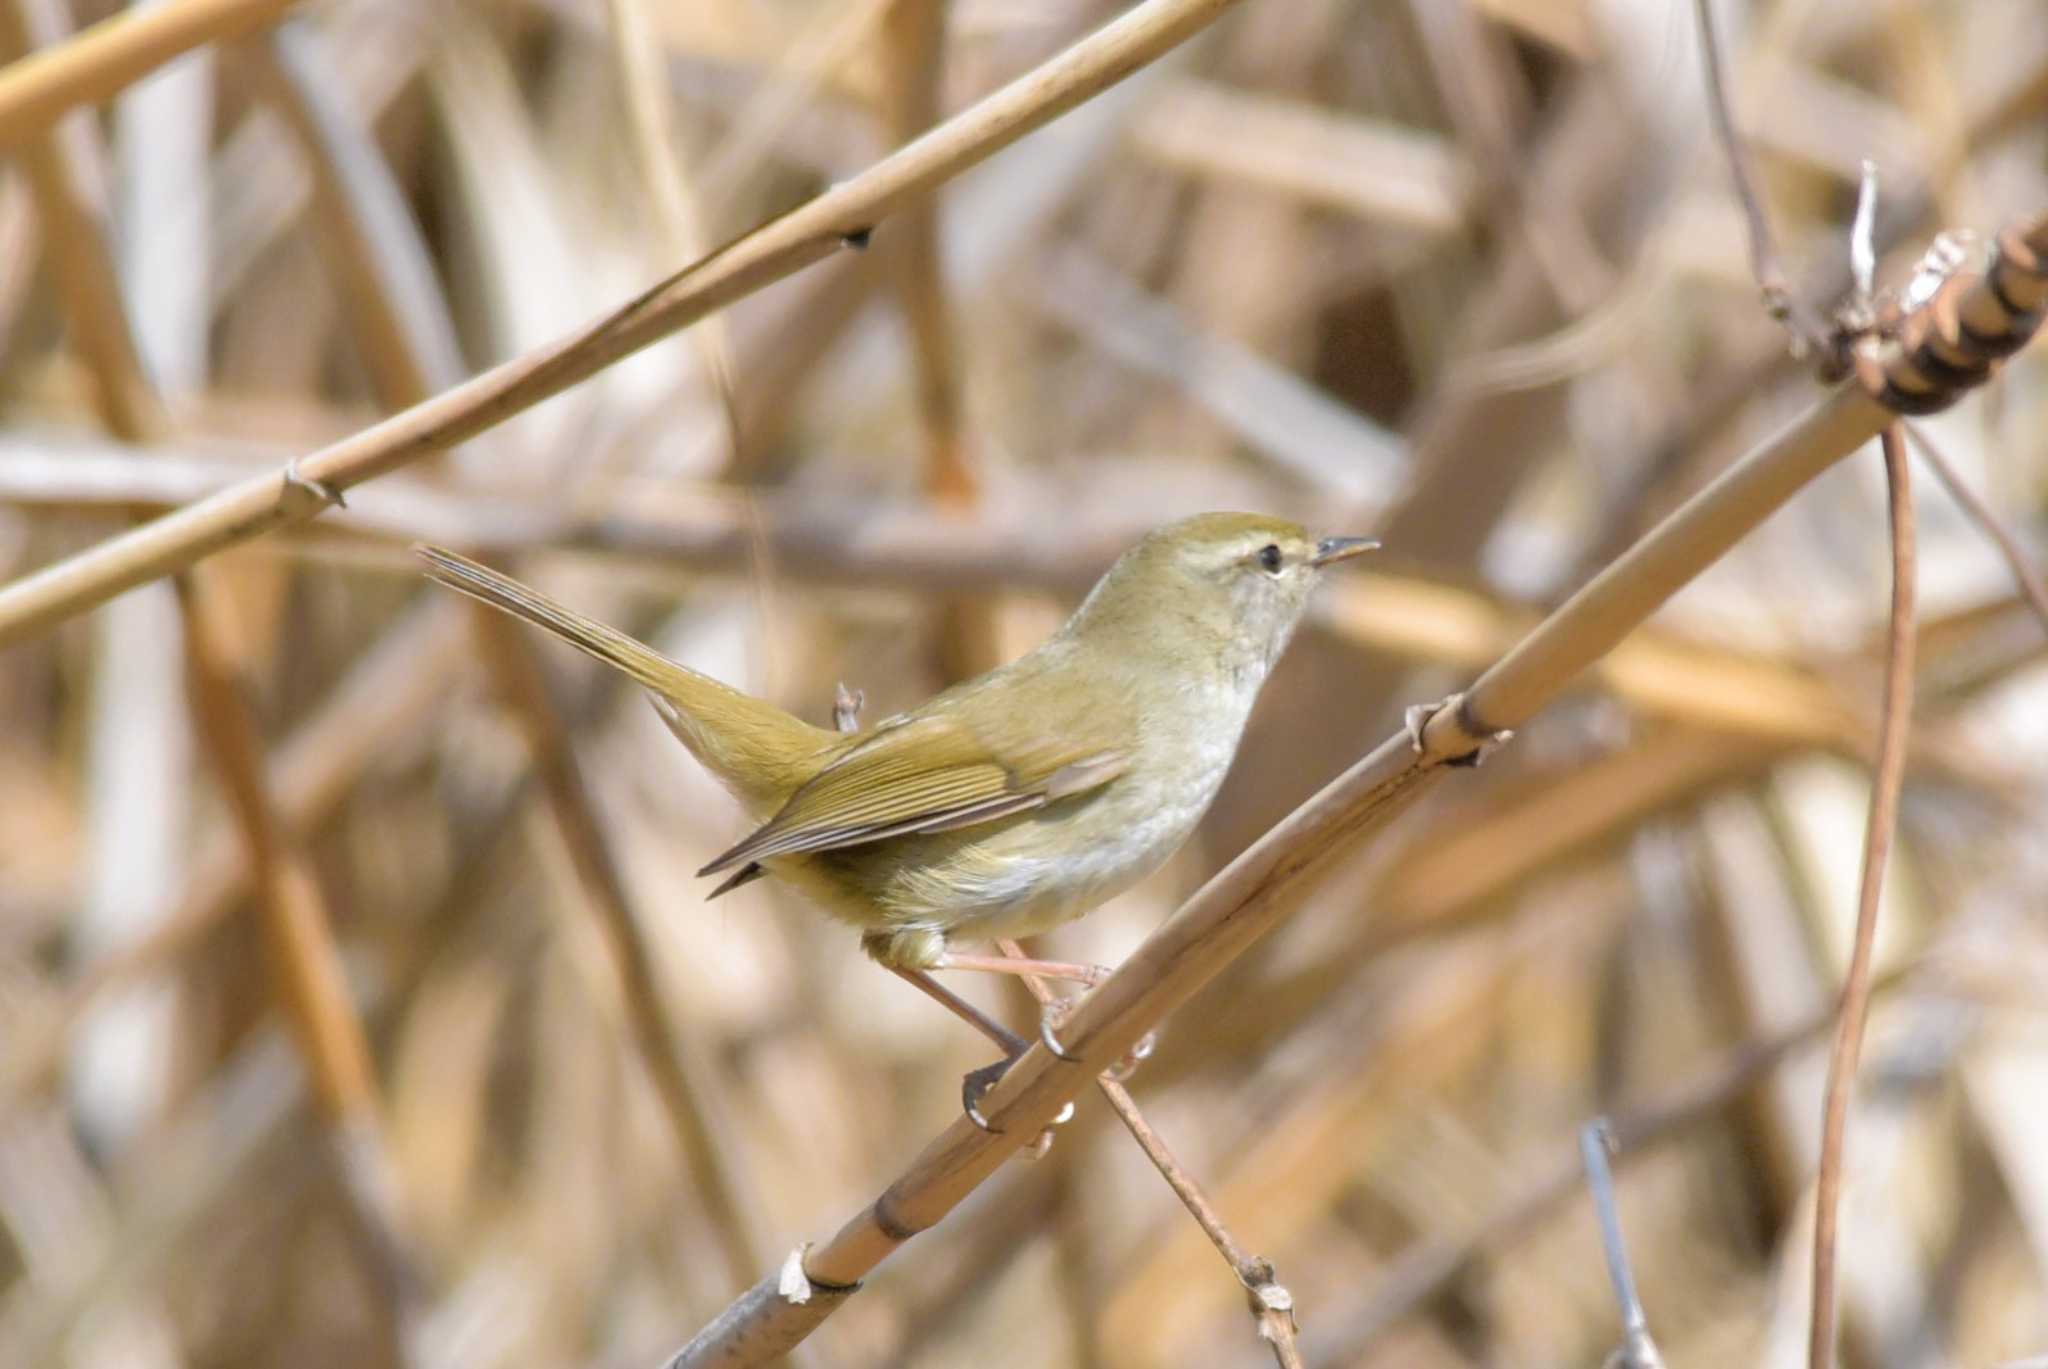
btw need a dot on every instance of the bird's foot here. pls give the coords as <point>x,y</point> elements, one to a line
<point>974,1086</point>
<point>1056,1012</point>
<point>1415,722</point>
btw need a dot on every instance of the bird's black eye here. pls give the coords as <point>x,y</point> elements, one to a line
<point>1269,558</point>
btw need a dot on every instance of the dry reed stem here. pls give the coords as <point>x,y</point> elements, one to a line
<point>2025,575</point>
<point>1485,97</point>
<point>312,984</point>
<point>1270,1303</point>
<point>1611,604</point>
<point>1378,170</point>
<point>1890,770</point>
<point>98,62</point>
<point>809,233</point>
<point>62,190</point>
<point>370,234</point>
<point>1518,830</point>
<point>384,45</point>
<point>913,50</point>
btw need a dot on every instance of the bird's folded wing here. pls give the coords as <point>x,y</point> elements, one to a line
<point>925,776</point>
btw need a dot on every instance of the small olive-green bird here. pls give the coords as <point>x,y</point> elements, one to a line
<point>1014,802</point>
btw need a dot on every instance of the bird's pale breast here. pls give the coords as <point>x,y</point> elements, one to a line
<point>1023,875</point>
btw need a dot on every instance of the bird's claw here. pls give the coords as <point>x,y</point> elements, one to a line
<point>1123,1068</point>
<point>1054,1013</point>
<point>974,1086</point>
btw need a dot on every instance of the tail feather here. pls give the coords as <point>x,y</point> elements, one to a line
<point>607,644</point>
<point>757,750</point>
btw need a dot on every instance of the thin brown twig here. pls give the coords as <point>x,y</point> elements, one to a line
<point>1270,1302</point>
<point>1808,334</point>
<point>1889,776</point>
<point>843,215</point>
<point>2025,574</point>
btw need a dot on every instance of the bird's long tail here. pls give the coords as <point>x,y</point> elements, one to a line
<point>756,749</point>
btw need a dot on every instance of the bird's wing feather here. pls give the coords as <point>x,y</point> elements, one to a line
<point>928,775</point>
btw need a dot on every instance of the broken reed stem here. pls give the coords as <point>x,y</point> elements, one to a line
<point>1271,1305</point>
<point>98,62</point>
<point>2025,575</point>
<point>843,215</point>
<point>370,235</point>
<point>1779,301</point>
<point>1890,769</point>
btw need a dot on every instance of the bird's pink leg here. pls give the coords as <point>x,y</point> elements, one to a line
<point>1091,975</point>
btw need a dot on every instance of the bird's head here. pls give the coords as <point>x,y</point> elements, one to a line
<point>1228,587</point>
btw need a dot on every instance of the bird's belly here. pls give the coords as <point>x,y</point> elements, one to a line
<point>1016,877</point>
<point>1034,891</point>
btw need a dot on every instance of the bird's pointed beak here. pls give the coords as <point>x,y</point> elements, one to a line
<point>1331,550</point>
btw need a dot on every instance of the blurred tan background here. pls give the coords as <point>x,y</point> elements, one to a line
<point>1464,274</point>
